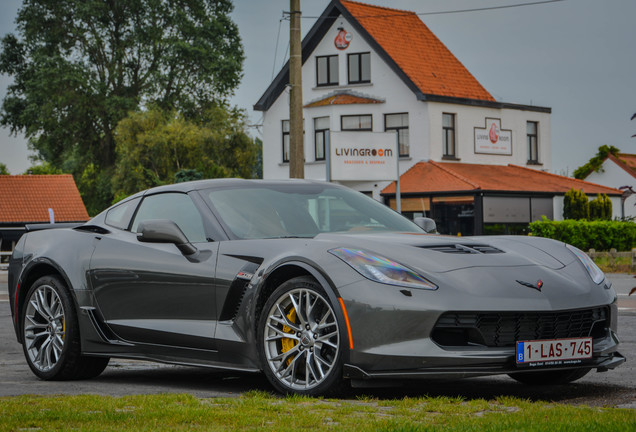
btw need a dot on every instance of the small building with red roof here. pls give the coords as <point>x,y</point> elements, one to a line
<point>619,172</point>
<point>472,199</point>
<point>27,199</point>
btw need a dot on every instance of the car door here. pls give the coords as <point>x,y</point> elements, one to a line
<point>151,292</point>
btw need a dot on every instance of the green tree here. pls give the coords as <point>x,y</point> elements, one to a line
<point>186,175</point>
<point>575,205</point>
<point>601,208</point>
<point>80,66</point>
<point>153,146</point>
<point>594,164</point>
<point>44,168</point>
<point>4,170</point>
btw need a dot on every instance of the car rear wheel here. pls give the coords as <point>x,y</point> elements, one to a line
<point>299,339</point>
<point>50,334</point>
<point>550,377</point>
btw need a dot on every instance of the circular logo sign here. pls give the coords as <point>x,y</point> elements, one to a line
<point>343,39</point>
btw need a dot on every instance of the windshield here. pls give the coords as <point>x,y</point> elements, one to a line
<point>300,210</point>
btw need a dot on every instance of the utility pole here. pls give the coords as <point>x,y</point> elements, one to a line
<point>296,148</point>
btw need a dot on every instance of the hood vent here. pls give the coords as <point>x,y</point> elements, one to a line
<point>464,249</point>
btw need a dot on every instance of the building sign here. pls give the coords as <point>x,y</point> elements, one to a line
<point>362,156</point>
<point>343,39</point>
<point>492,139</point>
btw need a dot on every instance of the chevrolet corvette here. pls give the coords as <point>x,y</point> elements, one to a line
<point>313,284</point>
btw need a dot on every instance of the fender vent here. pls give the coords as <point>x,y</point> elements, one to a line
<point>464,249</point>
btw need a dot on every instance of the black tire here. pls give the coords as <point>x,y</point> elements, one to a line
<point>301,353</point>
<point>550,377</point>
<point>50,334</point>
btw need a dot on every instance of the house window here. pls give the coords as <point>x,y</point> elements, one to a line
<point>399,123</point>
<point>359,68</point>
<point>532,129</point>
<point>356,122</point>
<point>327,70</point>
<point>321,136</point>
<point>448,135</point>
<point>285,141</point>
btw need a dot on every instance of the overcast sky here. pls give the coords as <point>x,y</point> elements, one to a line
<point>576,56</point>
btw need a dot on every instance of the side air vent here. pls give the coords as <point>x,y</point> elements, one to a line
<point>464,249</point>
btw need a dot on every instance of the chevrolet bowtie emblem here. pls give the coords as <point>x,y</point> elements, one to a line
<point>536,286</point>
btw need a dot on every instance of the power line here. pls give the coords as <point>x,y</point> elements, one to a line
<point>276,50</point>
<point>397,13</point>
<point>491,8</point>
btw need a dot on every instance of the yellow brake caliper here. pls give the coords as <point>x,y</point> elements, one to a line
<point>289,343</point>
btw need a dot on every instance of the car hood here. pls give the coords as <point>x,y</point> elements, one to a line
<point>439,254</point>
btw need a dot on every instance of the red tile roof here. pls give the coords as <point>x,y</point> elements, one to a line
<point>431,177</point>
<point>628,159</point>
<point>27,198</point>
<point>426,61</point>
<point>343,99</point>
<point>625,161</point>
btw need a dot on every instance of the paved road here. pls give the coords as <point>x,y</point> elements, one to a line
<point>123,377</point>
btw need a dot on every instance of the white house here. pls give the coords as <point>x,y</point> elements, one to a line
<point>378,83</point>
<point>619,172</point>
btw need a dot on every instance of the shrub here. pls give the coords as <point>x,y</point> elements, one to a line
<point>575,205</point>
<point>601,235</point>
<point>601,208</point>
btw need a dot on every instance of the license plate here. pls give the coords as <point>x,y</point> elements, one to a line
<point>556,351</point>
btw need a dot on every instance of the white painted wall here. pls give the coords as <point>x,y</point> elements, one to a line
<point>467,118</point>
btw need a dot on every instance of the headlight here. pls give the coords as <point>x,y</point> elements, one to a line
<point>592,269</point>
<point>381,269</point>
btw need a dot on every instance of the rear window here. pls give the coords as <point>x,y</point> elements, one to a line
<point>119,216</point>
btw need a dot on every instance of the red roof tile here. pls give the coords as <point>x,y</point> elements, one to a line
<point>343,99</point>
<point>628,159</point>
<point>430,177</point>
<point>627,162</point>
<point>27,198</point>
<point>426,61</point>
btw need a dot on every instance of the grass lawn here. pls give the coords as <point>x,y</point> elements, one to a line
<point>262,411</point>
<point>609,264</point>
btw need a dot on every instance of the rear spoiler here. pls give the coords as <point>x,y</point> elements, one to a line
<point>46,226</point>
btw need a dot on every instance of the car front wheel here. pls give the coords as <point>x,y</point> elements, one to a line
<point>299,339</point>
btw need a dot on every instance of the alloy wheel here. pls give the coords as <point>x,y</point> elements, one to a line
<point>44,328</point>
<point>302,339</point>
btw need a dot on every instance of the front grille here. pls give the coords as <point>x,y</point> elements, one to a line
<point>463,249</point>
<point>503,329</point>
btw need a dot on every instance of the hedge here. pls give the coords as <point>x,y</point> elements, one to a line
<point>586,235</point>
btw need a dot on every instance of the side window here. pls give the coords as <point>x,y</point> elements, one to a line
<point>448,135</point>
<point>327,70</point>
<point>119,217</point>
<point>177,207</point>
<point>359,68</point>
<point>400,124</point>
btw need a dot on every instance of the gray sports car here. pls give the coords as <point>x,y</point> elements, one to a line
<point>312,283</point>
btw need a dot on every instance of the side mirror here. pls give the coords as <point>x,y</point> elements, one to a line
<point>165,231</point>
<point>427,224</point>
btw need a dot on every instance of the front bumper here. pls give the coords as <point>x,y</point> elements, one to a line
<point>478,362</point>
<point>393,328</point>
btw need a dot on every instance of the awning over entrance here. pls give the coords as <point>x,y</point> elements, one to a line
<point>469,199</point>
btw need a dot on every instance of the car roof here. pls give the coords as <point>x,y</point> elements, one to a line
<point>225,182</point>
